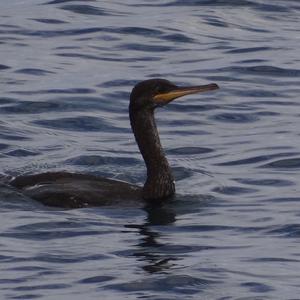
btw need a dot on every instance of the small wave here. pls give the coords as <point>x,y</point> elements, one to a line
<point>85,9</point>
<point>256,287</point>
<point>6,100</point>
<point>146,48</point>
<point>265,182</point>
<point>134,30</point>
<point>37,72</point>
<point>178,283</point>
<point>80,123</point>
<point>255,159</point>
<point>117,83</point>
<point>263,71</point>
<point>40,287</point>
<point>229,3</point>
<point>4,67</point>
<point>65,1</point>
<point>44,235</point>
<point>290,163</point>
<point>106,58</point>
<point>49,21</point>
<point>272,259</point>
<point>250,49</point>
<point>21,153</point>
<point>261,93</point>
<point>139,31</point>
<point>193,107</point>
<point>92,160</point>
<point>287,230</point>
<point>75,103</point>
<point>284,200</point>
<point>233,190</point>
<point>3,146</point>
<point>181,173</point>
<point>14,137</point>
<point>96,279</point>
<point>236,117</point>
<point>56,91</point>
<point>189,150</point>
<point>178,38</point>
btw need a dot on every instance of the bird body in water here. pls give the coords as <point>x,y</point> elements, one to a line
<point>70,190</point>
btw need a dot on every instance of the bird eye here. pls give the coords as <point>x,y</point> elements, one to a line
<point>160,89</point>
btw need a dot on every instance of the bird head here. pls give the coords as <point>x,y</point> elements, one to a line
<point>152,93</point>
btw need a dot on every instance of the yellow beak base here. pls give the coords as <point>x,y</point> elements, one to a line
<point>165,98</point>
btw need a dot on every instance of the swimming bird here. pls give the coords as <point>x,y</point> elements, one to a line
<point>71,190</point>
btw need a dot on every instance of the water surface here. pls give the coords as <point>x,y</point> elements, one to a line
<point>233,231</point>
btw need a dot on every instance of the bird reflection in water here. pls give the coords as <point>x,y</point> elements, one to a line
<point>148,247</point>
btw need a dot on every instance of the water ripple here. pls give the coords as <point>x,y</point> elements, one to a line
<point>265,182</point>
<point>257,287</point>
<point>91,160</point>
<point>96,279</point>
<point>189,150</point>
<point>290,163</point>
<point>37,72</point>
<point>67,69</point>
<point>178,283</point>
<point>80,123</point>
<point>66,1</point>
<point>286,231</point>
<point>4,67</point>
<point>263,71</point>
<point>247,50</point>
<point>85,9</point>
<point>21,153</point>
<point>255,159</point>
<point>236,117</point>
<point>49,21</point>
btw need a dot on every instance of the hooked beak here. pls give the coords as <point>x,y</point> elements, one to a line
<point>165,98</point>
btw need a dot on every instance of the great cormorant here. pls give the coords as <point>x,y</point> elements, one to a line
<point>70,190</point>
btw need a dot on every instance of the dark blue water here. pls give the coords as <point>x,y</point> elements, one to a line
<point>233,231</point>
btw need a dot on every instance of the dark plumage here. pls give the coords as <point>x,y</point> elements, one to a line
<point>71,190</point>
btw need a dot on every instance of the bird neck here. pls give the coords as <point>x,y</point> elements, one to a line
<point>160,182</point>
